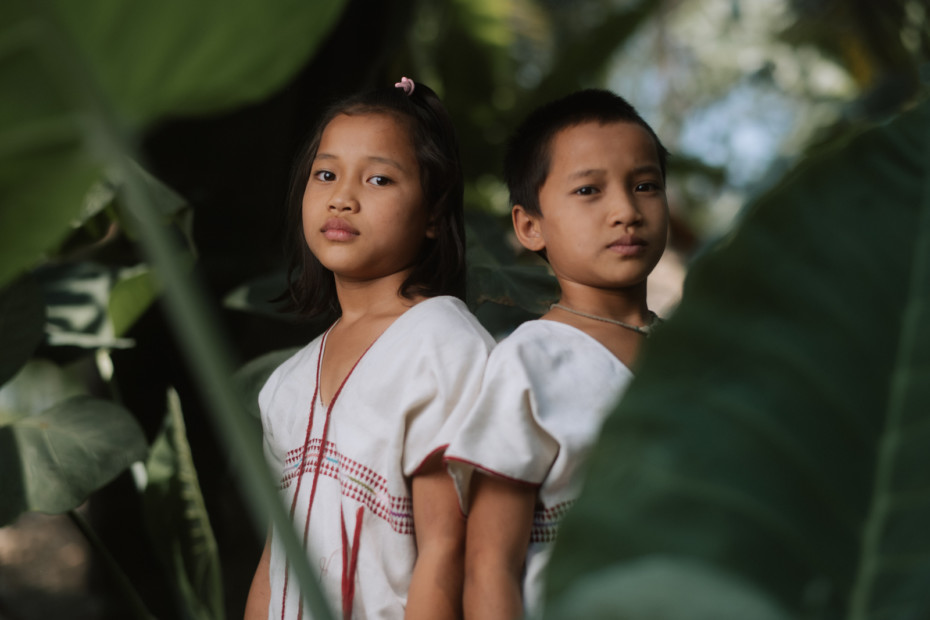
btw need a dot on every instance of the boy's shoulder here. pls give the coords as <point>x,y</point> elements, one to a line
<point>543,333</point>
<point>543,346</point>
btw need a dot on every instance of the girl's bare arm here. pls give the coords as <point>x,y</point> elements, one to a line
<point>436,585</point>
<point>256,606</point>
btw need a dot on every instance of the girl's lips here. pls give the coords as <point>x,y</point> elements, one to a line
<point>336,229</point>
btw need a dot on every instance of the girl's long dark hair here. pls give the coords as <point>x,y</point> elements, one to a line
<point>439,268</point>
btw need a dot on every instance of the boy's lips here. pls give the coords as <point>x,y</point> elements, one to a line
<point>337,229</point>
<point>627,245</point>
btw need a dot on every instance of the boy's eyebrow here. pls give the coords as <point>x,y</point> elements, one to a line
<point>591,172</point>
<point>650,168</point>
<point>588,172</point>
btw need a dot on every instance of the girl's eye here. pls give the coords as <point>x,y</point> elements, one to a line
<point>648,187</point>
<point>324,175</point>
<point>380,180</point>
<point>587,190</point>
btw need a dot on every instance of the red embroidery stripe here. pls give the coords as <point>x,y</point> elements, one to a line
<point>546,522</point>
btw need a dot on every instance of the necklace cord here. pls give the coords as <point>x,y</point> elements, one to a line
<point>639,329</point>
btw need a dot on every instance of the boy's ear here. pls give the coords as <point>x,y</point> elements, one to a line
<point>526,226</point>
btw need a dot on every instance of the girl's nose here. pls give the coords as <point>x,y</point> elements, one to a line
<point>343,201</point>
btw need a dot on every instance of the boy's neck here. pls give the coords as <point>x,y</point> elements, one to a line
<point>627,305</point>
<point>610,306</point>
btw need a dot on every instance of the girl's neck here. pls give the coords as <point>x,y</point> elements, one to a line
<point>372,298</point>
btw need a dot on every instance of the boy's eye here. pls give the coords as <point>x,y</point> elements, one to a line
<point>324,175</point>
<point>587,190</point>
<point>380,180</point>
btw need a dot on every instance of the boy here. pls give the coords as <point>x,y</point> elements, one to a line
<point>587,183</point>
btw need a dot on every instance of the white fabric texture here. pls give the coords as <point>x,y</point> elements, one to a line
<point>395,410</point>
<point>546,391</point>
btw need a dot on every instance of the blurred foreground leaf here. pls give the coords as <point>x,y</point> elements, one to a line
<point>53,460</point>
<point>177,519</point>
<point>779,425</point>
<point>73,68</point>
<point>44,168</point>
<point>180,57</point>
<point>665,588</point>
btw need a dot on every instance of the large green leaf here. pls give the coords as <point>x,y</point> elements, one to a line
<point>44,171</point>
<point>81,69</point>
<point>177,520</point>
<point>53,460</point>
<point>779,424</point>
<point>22,325</point>
<point>665,588</point>
<point>180,57</point>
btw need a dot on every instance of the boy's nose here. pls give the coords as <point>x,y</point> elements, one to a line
<point>624,211</point>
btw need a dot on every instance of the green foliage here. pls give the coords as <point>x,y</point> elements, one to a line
<point>52,461</point>
<point>779,423</point>
<point>177,57</point>
<point>665,588</point>
<point>83,70</point>
<point>86,77</point>
<point>129,298</point>
<point>177,519</point>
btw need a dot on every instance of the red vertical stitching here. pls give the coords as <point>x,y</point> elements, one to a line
<point>349,568</point>
<point>300,467</point>
<point>319,460</point>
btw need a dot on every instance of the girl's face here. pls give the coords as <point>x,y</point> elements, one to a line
<point>364,216</point>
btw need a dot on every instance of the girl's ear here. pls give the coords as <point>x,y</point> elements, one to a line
<point>431,230</point>
<point>526,226</point>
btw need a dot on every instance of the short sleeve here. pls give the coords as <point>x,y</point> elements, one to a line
<point>445,377</point>
<point>502,434</point>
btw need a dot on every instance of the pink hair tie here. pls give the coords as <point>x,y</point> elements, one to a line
<point>406,84</point>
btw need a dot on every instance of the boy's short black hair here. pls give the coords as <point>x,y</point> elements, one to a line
<point>439,268</point>
<point>526,164</point>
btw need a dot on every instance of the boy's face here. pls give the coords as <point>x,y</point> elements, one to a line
<point>604,212</point>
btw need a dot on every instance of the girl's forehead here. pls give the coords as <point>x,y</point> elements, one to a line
<point>368,133</point>
<point>368,120</point>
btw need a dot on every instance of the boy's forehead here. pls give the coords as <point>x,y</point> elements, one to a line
<point>594,138</point>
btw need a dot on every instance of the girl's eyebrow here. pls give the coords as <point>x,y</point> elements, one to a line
<point>374,158</point>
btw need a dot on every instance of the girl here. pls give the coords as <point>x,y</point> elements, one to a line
<point>355,424</point>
